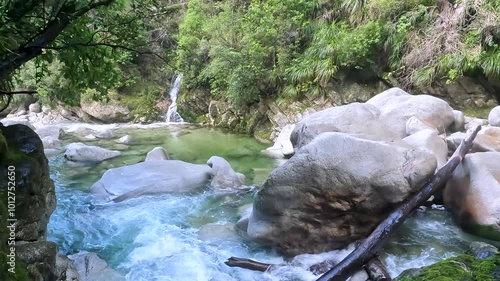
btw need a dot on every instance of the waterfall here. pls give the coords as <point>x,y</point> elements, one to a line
<point>172,115</point>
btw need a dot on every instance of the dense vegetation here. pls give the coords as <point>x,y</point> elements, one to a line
<point>246,50</point>
<point>243,50</point>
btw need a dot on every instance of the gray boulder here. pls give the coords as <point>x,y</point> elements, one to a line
<point>127,139</point>
<point>105,134</point>
<point>150,178</point>
<point>81,152</point>
<point>494,116</point>
<point>282,146</point>
<point>428,140</point>
<point>414,125</point>
<point>334,191</point>
<point>356,119</point>
<point>34,108</point>
<point>223,176</point>
<point>157,153</point>
<point>65,269</point>
<point>473,194</point>
<point>396,107</point>
<point>488,139</point>
<point>50,142</point>
<point>92,268</point>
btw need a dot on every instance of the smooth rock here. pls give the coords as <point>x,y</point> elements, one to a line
<point>151,178</point>
<point>34,108</point>
<point>92,268</point>
<point>127,139</point>
<point>428,140</point>
<point>459,123</point>
<point>334,191</point>
<point>414,125</point>
<point>50,142</point>
<point>473,194</point>
<point>481,250</point>
<point>488,139</point>
<point>283,146</point>
<point>356,119</point>
<point>223,176</point>
<point>23,120</point>
<point>396,108</point>
<point>472,122</point>
<point>494,116</point>
<point>105,134</point>
<point>157,153</point>
<point>81,152</point>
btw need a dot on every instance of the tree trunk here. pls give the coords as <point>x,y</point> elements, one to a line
<point>371,245</point>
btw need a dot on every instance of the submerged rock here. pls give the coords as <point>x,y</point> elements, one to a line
<point>151,178</point>
<point>223,176</point>
<point>473,194</point>
<point>157,153</point>
<point>482,250</point>
<point>82,152</point>
<point>127,139</point>
<point>334,191</point>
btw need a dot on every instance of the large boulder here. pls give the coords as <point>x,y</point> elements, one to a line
<point>81,152</point>
<point>92,268</point>
<point>150,178</point>
<point>494,116</point>
<point>473,194</point>
<point>223,176</point>
<point>21,151</point>
<point>334,191</point>
<point>65,269</point>
<point>429,140</point>
<point>157,153</point>
<point>397,107</point>
<point>356,119</point>
<point>488,139</point>
<point>109,113</point>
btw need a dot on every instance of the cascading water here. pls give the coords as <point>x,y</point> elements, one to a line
<point>172,115</point>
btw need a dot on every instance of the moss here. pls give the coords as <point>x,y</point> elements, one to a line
<point>463,268</point>
<point>478,112</point>
<point>20,272</point>
<point>3,148</point>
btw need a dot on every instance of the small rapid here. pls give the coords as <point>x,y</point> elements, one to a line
<point>188,237</point>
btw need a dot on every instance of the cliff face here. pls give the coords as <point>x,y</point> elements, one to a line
<point>28,199</point>
<point>267,117</point>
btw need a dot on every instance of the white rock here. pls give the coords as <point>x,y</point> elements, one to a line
<point>494,116</point>
<point>223,176</point>
<point>157,153</point>
<point>127,139</point>
<point>34,108</point>
<point>81,152</point>
<point>428,140</point>
<point>414,125</point>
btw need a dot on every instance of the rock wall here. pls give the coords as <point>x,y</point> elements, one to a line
<point>266,119</point>
<point>21,148</point>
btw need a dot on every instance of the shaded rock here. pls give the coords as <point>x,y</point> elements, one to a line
<point>459,123</point>
<point>92,268</point>
<point>150,178</point>
<point>494,116</point>
<point>334,191</point>
<point>473,194</point>
<point>34,108</point>
<point>127,139</point>
<point>65,269</point>
<point>157,153</point>
<point>108,113</point>
<point>488,139</point>
<point>482,250</point>
<point>282,146</point>
<point>357,119</point>
<point>428,140</point>
<point>397,107</point>
<point>223,176</point>
<point>81,152</point>
<point>472,122</point>
<point>414,125</point>
<point>361,275</point>
<point>52,131</point>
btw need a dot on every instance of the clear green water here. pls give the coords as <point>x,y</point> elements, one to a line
<point>156,238</point>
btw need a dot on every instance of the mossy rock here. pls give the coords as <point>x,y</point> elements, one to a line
<point>460,268</point>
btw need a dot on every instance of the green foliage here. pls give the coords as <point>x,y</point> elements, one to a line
<point>144,104</point>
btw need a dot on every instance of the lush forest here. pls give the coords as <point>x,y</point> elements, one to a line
<point>244,51</point>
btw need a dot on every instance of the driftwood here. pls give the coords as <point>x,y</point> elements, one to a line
<point>249,264</point>
<point>371,245</point>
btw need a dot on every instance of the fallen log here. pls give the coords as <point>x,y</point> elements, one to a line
<point>373,243</point>
<point>249,264</point>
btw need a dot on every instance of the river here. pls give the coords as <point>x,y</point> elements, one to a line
<point>189,237</point>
